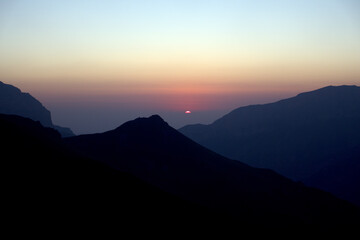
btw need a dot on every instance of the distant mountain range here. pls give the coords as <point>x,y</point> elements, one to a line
<point>313,137</point>
<point>13,101</point>
<point>145,173</point>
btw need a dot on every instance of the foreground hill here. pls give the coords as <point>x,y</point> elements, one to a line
<point>313,137</point>
<point>47,188</point>
<point>13,101</point>
<point>156,153</point>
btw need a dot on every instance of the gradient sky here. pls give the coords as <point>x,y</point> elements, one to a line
<point>96,64</point>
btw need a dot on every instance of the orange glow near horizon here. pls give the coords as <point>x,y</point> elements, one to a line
<point>171,96</point>
<point>177,55</point>
<point>85,60</point>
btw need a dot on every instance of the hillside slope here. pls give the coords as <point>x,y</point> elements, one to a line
<point>299,137</point>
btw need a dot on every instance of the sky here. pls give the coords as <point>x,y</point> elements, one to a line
<point>97,64</point>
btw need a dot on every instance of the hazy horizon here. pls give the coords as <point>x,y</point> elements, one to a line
<point>97,64</point>
<point>83,118</point>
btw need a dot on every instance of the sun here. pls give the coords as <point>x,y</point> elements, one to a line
<point>187,112</point>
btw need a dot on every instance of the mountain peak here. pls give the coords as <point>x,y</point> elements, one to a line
<point>343,89</point>
<point>152,123</point>
<point>156,118</point>
<point>14,101</point>
<point>152,120</point>
<point>9,87</point>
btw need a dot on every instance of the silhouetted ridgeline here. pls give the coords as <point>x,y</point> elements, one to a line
<point>313,137</point>
<point>13,101</point>
<point>156,153</point>
<point>146,174</point>
<point>47,187</point>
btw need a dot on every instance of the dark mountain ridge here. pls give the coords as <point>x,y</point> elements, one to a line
<point>48,185</point>
<point>145,168</point>
<point>298,137</point>
<point>13,101</point>
<point>151,150</point>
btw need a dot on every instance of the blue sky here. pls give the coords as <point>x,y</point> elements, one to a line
<point>172,56</point>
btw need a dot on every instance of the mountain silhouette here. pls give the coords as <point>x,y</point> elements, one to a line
<point>45,184</point>
<point>151,150</point>
<point>313,137</point>
<point>13,101</point>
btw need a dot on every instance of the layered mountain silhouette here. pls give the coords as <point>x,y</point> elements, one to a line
<point>13,101</point>
<point>147,174</point>
<point>152,151</point>
<point>45,184</point>
<point>313,137</point>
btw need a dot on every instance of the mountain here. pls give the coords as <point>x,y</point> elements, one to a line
<point>151,150</point>
<point>313,137</point>
<point>45,184</point>
<point>13,101</point>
